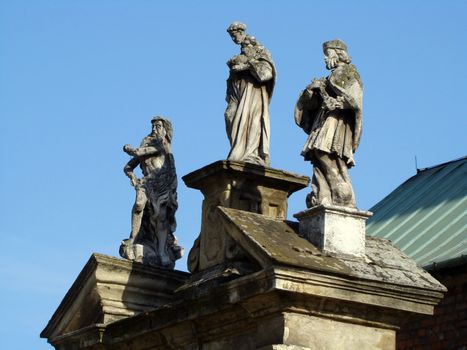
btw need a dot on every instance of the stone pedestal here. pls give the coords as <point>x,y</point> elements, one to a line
<point>334,230</point>
<point>236,185</point>
<point>246,186</point>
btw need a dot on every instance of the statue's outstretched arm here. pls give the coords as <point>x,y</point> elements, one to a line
<point>147,151</point>
<point>141,151</point>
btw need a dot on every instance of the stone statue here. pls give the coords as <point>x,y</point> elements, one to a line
<point>153,216</point>
<point>329,110</point>
<point>249,91</point>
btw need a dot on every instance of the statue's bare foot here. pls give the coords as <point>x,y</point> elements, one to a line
<point>125,250</point>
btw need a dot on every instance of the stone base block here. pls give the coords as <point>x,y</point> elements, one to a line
<point>308,331</point>
<point>334,230</point>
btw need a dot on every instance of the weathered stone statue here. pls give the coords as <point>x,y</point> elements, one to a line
<point>257,281</point>
<point>329,110</point>
<point>153,216</point>
<point>249,90</point>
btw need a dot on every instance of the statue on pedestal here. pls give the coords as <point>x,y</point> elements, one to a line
<point>329,110</point>
<point>249,91</point>
<point>153,216</point>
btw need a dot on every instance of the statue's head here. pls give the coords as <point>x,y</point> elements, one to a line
<point>250,40</point>
<point>335,53</point>
<point>162,128</point>
<point>237,31</point>
<point>250,46</point>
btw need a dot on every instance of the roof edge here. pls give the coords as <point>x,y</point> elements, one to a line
<point>442,164</point>
<point>454,262</point>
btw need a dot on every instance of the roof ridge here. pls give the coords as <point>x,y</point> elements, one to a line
<point>442,164</point>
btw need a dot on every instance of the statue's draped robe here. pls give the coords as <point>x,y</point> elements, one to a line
<point>247,115</point>
<point>152,242</point>
<point>161,189</point>
<point>332,131</point>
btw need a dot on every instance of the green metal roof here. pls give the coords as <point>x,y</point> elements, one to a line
<point>426,216</point>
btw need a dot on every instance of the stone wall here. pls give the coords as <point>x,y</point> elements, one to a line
<point>447,329</point>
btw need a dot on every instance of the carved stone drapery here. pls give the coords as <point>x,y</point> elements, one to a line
<point>249,90</point>
<point>329,110</point>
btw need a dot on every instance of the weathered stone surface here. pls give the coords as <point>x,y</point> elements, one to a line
<point>109,289</point>
<point>334,230</point>
<point>258,311</point>
<point>295,297</point>
<point>152,240</point>
<point>249,91</point>
<point>237,185</point>
<point>283,347</point>
<point>278,242</point>
<point>321,333</point>
<point>329,110</point>
<point>292,297</point>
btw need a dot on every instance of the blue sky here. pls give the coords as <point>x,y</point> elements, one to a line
<point>79,79</point>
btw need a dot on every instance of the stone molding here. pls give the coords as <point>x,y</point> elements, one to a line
<point>244,309</point>
<point>279,178</point>
<point>109,289</point>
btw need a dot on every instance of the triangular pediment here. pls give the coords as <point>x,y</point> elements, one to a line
<point>273,242</point>
<point>109,289</point>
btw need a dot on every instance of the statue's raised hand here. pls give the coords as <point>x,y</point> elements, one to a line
<point>331,103</point>
<point>130,150</point>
